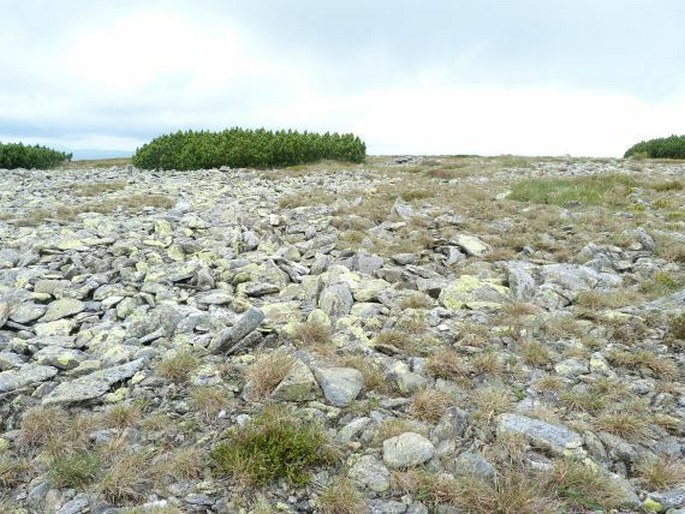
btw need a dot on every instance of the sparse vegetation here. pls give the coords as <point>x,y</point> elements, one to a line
<point>179,366</point>
<point>607,190</point>
<point>341,497</point>
<point>274,444</point>
<point>660,473</point>
<point>268,371</point>
<point>429,404</point>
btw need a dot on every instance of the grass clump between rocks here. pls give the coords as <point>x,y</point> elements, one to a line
<point>341,497</point>
<point>274,444</point>
<point>604,189</point>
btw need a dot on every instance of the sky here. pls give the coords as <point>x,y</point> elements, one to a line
<point>489,77</point>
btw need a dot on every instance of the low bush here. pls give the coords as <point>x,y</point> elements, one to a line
<point>672,147</point>
<point>18,155</point>
<point>242,148</point>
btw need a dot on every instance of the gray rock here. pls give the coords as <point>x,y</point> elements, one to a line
<point>340,385</point>
<point>408,449</point>
<point>27,375</point>
<point>671,499</point>
<point>92,386</point>
<point>626,497</point>
<point>229,339</point>
<point>370,473</point>
<point>520,279</point>
<point>63,308</point>
<point>366,263</point>
<point>471,245</point>
<point>386,507</point>
<point>59,357</point>
<point>10,360</point>
<point>79,504</point>
<point>472,465</point>
<point>451,426</point>
<point>352,429</point>
<point>26,312</point>
<point>556,439</point>
<point>299,385</point>
<point>336,300</point>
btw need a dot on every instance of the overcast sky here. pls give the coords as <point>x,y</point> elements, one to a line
<point>529,77</point>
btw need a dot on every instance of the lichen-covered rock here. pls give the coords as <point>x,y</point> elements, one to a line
<point>340,385</point>
<point>473,293</point>
<point>556,439</point>
<point>370,473</point>
<point>406,450</point>
<point>27,375</point>
<point>299,385</point>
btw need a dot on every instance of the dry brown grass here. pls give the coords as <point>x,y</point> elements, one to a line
<point>97,188</point>
<point>209,400</point>
<point>14,472</point>
<point>178,367</point>
<point>312,197</point>
<point>549,383</point>
<point>123,415</point>
<point>401,340</point>
<point>268,371</point>
<point>416,301</point>
<point>661,366</point>
<point>624,423</point>
<point>447,364</point>
<point>374,380</point>
<point>341,497</point>
<point>660,473</point>
<point>312,333</point>
<point>534,353</point>
<point>596,300</point>
<point>126,204</point>
<point>127,476</point>
<point>42,425</point>
<point>581,487</point>
<point>489,402</point>
<point>429,404</point>
<point>178,465</point>
<point>392,427</point>
<point>488,362</point>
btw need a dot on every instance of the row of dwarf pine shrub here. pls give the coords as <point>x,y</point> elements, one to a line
<point>18,155</point>
<point>672,147</point>
<point>245,148</point>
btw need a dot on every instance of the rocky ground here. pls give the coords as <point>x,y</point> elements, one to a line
<point>410,335</point>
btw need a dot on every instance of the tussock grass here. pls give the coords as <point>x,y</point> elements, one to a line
<point>14,471</point>
<point>313,333</point>
<point>447,364</point>
<point>178,367</point>
<point>268,371</point>
<point>660,473</point>
<point>97,188</point>
<point>534,353</point>
<point>429,404</point>
<point>372,373</point>
<point>416,301</point>
<point>661,366</point>
<point>209,400</point>
<point>341,497</point>
<point>489,402</point>
<point>582,487</point>
<point>76,470</point>
<point>274,444</point>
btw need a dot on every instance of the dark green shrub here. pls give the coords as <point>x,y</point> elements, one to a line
<point>672,147</point>
<point>274,444</point>
<point>18,155</point>
<point>242,148</point>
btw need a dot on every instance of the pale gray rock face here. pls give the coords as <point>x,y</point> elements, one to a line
<point>229,339</point>
<point>336,300</point>
<point>340,385</point>
<point>473,464</point>
<point>554,438</point>
<point>27,375</point>
<point>92,386</point>
<point>63,308</point>
<point>406,450</point>
<point>370,473</point>
<point>670,499</point>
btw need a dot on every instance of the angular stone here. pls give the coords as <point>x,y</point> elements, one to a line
<point>26,312</point>
<point>556,439</point>
<point>63,308</point>
<point>370,473</point>
<point>369,290</point>
<point>474,293</point>
<point>472,464</point>
<point>229,339</point>
<point>92,386</point>
<point>336,300</point>
<point>27,375</point>
<point>61,327</point>
<point>340,385</point>
<point>670,499</point>
<point>408,449</point>
<point>299,385</point>
<point>471,245</point>
<point>59,357</point>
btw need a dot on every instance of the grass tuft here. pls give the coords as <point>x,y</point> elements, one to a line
<point>178,367</point>
<point>341,497</point>
<point>268,371</point>
<point>274,444</point>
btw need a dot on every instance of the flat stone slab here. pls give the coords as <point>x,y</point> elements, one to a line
<point>25,376</point>
<point>93,385</point>
<point>408,449</point>
<point>63,308</point>
<point>554,438</point>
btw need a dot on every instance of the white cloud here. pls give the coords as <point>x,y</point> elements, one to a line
<point>115,81</point>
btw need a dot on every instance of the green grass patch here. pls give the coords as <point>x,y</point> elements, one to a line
<point>274,444</point>
<point>76,470</point>
<point>608,190</point>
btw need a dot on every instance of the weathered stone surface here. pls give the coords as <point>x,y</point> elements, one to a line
<point>336,300</point>
<point>92,386</point>
<point>556,439</point>
<point>670,499</point>
<point>299,385</point>
<point>228,340</point>
<point>340,385</point>
<point>472,245</point>
<point>63,308</point>
<point>29,374</point>
<point>406,450</point>
<point>370,473</point>
<point>59,357</point>
<point>473,293</point>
